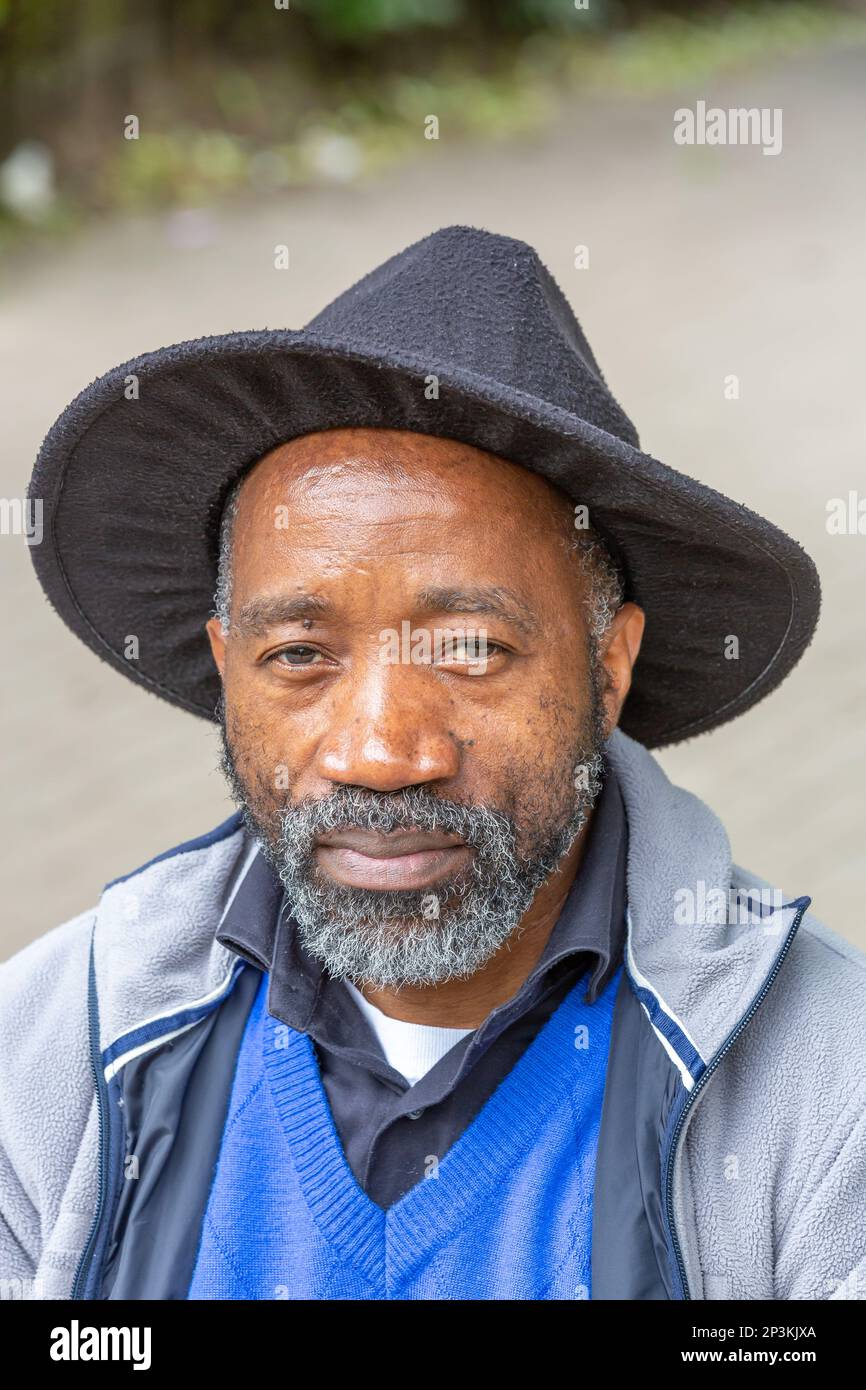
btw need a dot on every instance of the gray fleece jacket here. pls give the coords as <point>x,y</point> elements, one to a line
<point>732,1152</point>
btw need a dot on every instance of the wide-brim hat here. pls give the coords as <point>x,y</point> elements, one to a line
<point>465,335</point>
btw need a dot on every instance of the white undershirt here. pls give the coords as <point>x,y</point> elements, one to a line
<point>411,1048</point>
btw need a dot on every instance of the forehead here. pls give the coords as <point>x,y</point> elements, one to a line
<point>369,519</point>
<point>365,477</point>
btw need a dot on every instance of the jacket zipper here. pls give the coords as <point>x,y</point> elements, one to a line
<point>726,1046</point>
<point>79,1281</point>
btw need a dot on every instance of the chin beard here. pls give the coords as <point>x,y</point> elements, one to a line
<point>419,937</point>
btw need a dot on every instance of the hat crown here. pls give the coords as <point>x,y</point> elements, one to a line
<point>485,304</point>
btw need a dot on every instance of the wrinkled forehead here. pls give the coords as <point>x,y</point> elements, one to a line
<point>367,476</point>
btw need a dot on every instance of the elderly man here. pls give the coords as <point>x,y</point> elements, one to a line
<point>430,1016</point>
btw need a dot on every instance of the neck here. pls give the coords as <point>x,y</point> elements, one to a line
<point>467,1003</point>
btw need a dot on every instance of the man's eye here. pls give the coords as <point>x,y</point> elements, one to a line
<point>295,656</point>
<point>470,649</point>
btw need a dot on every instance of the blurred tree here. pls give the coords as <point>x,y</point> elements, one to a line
<point>206,74</point>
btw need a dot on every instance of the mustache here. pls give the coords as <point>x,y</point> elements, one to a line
<point>354,808</point>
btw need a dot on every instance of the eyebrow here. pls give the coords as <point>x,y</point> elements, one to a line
<point>259,615</point>
<point>492,602</point>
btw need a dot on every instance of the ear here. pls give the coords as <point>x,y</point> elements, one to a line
<point>216,636</point>
<point>618,651</point>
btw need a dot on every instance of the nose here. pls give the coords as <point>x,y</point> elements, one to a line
<point>388,728</point>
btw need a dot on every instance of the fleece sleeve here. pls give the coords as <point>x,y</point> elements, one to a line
<point>47,1110</point>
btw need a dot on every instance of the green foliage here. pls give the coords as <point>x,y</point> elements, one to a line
<point>562,15</point>
<point>237,98</point>
<point>675,49</point>
<point>361,19</point>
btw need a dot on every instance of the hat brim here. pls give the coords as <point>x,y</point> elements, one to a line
<point>134,473</point>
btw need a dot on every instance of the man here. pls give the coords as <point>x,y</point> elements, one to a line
<point>466,1000</point>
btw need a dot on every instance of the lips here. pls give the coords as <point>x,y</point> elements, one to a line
<point>404,859</point>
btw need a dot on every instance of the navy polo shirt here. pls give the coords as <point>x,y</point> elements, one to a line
<point>388,1129</point>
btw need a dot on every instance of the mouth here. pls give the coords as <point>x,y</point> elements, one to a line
<point>404,859</point>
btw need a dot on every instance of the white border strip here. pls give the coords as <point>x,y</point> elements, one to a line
<point>158,1018</point>
<point>685,1075</point>
<point>114,1067</point>
<point>218,989</point>
<point>645,984</point>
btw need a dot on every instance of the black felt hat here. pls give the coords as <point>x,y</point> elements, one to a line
<point>134,473</point>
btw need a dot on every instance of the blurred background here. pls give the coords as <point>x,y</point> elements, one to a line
<point>304,124</point>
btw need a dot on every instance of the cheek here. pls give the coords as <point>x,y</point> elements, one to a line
<point>552,719</point>
<point>524,756</point>
<point>245,721</point>
<point>259,746</point>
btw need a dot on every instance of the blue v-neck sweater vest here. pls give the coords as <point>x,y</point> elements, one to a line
<point>506,1213</point>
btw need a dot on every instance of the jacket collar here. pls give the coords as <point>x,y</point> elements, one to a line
<point>703,938</point>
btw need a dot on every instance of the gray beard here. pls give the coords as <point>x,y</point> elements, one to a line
<point>418,937</point>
